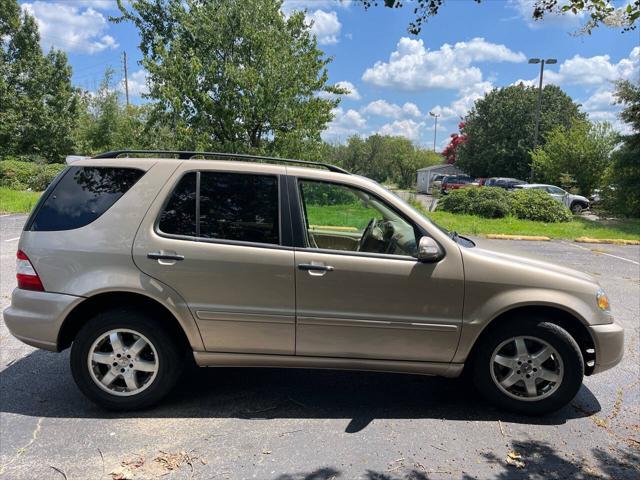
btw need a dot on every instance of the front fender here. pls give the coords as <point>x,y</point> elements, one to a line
<point>479,314</point>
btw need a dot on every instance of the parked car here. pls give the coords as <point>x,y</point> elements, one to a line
<point>503,182</point>
<point>453,182</point>
<point>436,182</point>
<point>136,262</point>
<point>576,203</point>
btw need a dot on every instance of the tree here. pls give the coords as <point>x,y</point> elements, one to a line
<point>599,11</point>
<point>233,75</point>
<point>38,105</point>
<point>621,183</point>
<point>107,124</point>
<point>384,158</point>
<point>457,139</point>
<point>581,152</point>
<point>500,129</point>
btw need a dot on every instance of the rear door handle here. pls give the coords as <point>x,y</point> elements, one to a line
<point>164,256</point>
<point>316,268</point>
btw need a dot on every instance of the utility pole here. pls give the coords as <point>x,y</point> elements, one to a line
<point>126,77</point>
<point>435,128</point>
<point>549,61</point>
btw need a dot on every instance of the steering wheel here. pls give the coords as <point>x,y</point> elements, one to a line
<point>366,233</point>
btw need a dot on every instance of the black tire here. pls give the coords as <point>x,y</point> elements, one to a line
<point>556,337</point>
<point>577,208</point>
<point>170,358</point>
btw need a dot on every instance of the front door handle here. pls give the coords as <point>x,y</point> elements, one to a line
<point>164,256</point>
<point>315,268</point>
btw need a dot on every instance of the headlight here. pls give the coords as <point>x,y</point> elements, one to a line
<point>603,300</point>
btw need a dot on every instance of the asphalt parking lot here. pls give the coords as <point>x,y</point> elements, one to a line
<point>321,425</point>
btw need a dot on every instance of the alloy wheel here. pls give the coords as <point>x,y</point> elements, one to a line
<point>526,368</point>
<point>123,362</point>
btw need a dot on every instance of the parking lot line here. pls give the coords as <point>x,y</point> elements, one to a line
<point>603,253</point>
<point>12,239</point>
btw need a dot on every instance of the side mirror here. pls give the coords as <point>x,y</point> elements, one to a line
<point>429,251</point>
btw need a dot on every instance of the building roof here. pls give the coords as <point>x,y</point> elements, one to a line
<point>439,167</point>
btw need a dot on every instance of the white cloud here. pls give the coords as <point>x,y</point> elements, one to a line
<point>403,128</point>
<point>524,11</point>
<point>597,70</point>
<point>353,91</point>
<point>344,124</point>
<point>325,26</point>
<point>383,108</point>
<point>138,83</point>
<point>290,5</point>
<point>412,66</point>
<point>465,101</point>
<point>71,28</point>
<point>592,71</point>
<point>600,107</point>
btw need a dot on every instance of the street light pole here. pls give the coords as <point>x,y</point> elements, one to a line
<point>435,128</point>
<point>549,61</point>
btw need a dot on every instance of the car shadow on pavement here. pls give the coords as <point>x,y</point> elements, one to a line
<point>40,385</point>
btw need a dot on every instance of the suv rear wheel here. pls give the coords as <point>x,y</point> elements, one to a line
<point>123,360</point>
<point>532,368</point>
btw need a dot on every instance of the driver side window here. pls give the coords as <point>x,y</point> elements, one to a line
<point>338,217</point>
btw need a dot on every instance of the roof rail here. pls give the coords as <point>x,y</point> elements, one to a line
<point>188,155</point>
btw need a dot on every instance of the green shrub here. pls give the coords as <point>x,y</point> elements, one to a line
<point>486,202</point>
<point>19,175</point>
<point>537,205</point>
<point>490,202</point>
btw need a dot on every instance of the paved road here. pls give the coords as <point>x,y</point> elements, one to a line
<point>315,425</point>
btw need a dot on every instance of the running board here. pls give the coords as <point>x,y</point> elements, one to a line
<point>208,359</point>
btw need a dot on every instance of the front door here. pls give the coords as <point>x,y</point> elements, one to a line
<point>216,238</point>
<point>360,292</point>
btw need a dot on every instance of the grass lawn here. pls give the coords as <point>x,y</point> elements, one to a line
<point>342,215</point>
<point>579,227</point>
<point>15,201</point>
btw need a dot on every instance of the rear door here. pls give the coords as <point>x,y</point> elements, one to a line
<point>219,238</point>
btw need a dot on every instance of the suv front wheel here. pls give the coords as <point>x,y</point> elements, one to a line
<point>124,360</point>
<point>532,368</point>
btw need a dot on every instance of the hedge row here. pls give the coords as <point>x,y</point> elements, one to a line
<point>19,175</point>
<point>490,202</point>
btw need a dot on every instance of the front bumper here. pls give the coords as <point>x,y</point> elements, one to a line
<point>609,343</point>
<point>35,318</point>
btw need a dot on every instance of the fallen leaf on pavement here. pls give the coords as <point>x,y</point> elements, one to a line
<point>515,459</point>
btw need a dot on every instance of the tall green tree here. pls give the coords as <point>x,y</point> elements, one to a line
<point>581,152</point>
<point>500,129</point>
<point>621,183</point>
<point>38,105</point>
<point>237,75</point>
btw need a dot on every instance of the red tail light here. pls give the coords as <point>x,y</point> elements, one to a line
<point>26,275</point>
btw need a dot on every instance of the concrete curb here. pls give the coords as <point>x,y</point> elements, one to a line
<point>500,236</point>
<point>614,241</point>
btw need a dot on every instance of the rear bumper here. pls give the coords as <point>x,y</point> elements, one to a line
<point>35,318</point>
<point>609,343</point>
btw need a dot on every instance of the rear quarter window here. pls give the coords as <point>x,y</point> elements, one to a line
<point>81,196</point>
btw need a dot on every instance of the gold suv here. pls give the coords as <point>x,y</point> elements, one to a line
<point>255,261</point>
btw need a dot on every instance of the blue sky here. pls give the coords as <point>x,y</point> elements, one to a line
<point>395,78</point>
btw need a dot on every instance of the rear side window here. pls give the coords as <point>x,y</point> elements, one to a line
<point>239,207</point>
<point>179,215</point>
<point>231,206</point>
<point>82,195</point>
